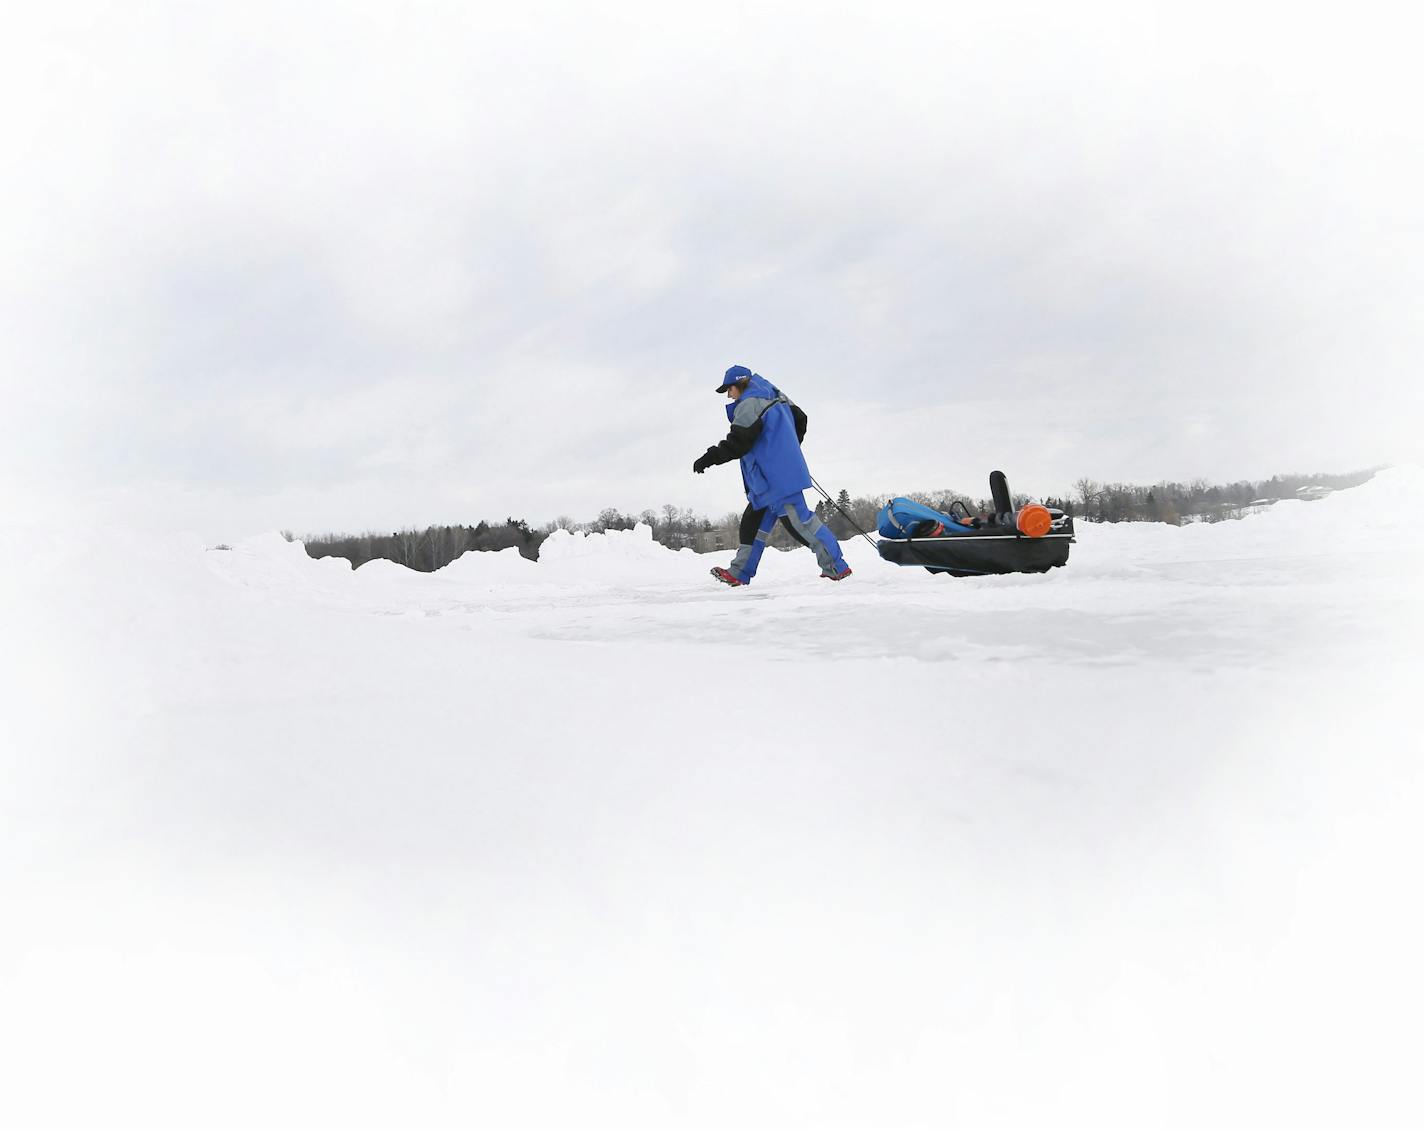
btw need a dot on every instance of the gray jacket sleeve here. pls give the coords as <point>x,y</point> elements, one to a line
<point>746,428</point>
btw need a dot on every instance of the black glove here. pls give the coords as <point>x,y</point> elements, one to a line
<point>702,463</point>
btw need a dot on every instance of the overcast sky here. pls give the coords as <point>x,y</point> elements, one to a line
<point>347,266</point>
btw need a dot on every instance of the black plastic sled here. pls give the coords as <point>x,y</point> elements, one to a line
<point>1033,538</point>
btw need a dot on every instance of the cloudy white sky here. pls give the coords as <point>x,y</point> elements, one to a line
<point>350,265</point>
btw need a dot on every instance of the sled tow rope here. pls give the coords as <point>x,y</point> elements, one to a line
<point>822,491</point>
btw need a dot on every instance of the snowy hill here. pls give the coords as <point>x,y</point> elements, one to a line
<point>593,840</point>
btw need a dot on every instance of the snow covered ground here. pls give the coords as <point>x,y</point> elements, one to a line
<point>595,840</point>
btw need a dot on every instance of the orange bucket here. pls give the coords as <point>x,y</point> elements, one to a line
<point>1034,521</point>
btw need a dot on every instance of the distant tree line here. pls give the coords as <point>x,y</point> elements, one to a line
<point>426,550</point>
<point>1197,500</point>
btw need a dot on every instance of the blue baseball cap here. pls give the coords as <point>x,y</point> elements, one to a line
<point>737,374</point>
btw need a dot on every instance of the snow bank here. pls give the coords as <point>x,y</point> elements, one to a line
<point>619,556</point>
<point>1385,514</point>
<point>505,566</point>
<point>269,558</point>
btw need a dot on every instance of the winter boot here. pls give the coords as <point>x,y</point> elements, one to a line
<point>836,575</point>
<point>730,579</point>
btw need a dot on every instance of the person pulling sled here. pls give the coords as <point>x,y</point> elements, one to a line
<point>766,434</point>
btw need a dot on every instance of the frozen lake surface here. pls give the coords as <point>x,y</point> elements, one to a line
<point>596,840</point>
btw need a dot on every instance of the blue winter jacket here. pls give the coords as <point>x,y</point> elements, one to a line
<point>764,437</point>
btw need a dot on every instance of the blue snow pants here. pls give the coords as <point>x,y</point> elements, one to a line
<point>805,526</point>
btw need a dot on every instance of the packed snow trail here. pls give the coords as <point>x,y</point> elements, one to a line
<point>598,840</point>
